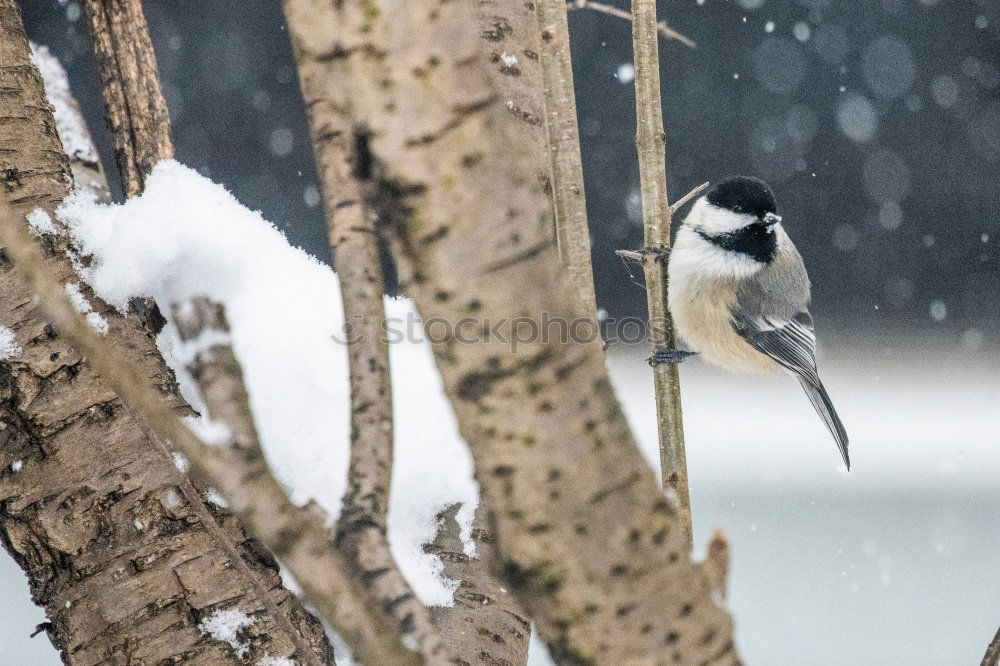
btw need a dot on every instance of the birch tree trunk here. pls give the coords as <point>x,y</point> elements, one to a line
<point>587,540</point>
<point>89,507</point>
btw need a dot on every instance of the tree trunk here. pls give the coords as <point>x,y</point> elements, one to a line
<point>89,507</point>
<point>588,543</point>
<point>510,28</point>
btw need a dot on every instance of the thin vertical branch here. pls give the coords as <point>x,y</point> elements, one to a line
<point>361,530</point>
<point>295,535</point>
<point>133,101</point>
<point>569,199</point>
<point>656,217</point>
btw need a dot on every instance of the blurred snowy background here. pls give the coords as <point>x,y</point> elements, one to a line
<point>878,124</point>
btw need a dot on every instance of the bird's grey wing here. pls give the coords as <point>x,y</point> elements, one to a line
<point>771,314</point>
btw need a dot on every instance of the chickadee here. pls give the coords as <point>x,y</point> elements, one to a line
<point>739,292</point>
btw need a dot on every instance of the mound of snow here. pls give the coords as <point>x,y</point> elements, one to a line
<point>187,236</point>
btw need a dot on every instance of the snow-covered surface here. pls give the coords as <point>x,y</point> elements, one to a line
<point>8,344</point>
<point>276,661</point>
<point>185,237</point>
<point>225,626</point>
<point>40,222</point>
<point>84,307</point>
<point>69,122</point>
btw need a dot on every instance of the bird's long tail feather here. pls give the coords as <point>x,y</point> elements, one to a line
<point>820,400</point>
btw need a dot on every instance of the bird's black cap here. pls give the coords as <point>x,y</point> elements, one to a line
<point>743,194</point>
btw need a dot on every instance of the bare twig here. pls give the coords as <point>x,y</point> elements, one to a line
<point>992,656</point>
<point>133,101</point>
<point>296,535</point>
<point>677,205</point>
<point>665,30</point>
<point>361,529</point>
<point>629,254</point>
<point>569,199</point>
<point>656,216</point>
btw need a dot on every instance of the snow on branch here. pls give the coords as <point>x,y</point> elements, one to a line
<point>84,161</point>
<point>296,535</point>
<point>186,237</point>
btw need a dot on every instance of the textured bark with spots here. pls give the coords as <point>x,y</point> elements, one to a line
<point>569,199</point>
<point>587,541</point>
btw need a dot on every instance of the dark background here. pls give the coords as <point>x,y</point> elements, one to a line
<point>877,123</point>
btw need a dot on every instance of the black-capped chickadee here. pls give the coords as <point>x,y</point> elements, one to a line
<point>739,292</point>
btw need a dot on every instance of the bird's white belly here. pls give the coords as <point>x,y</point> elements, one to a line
<point>701,310</point>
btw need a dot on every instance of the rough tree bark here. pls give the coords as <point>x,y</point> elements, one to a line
<point>89,506</point>
<point>569,199</point>
<point>511,28</point>
<point>238,468</point>
<point>587,540</point>
<point>140,126</point>
<point>133,101</point>
<point>361,529</point>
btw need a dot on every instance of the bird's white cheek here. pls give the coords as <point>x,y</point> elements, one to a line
<point>693,255</point>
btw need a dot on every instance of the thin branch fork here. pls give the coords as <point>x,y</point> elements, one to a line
<point>296,535</point>
<point>677,205</point>
<point>665,30</point>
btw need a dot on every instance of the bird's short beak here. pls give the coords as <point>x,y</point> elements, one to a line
<point>771,219</point>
